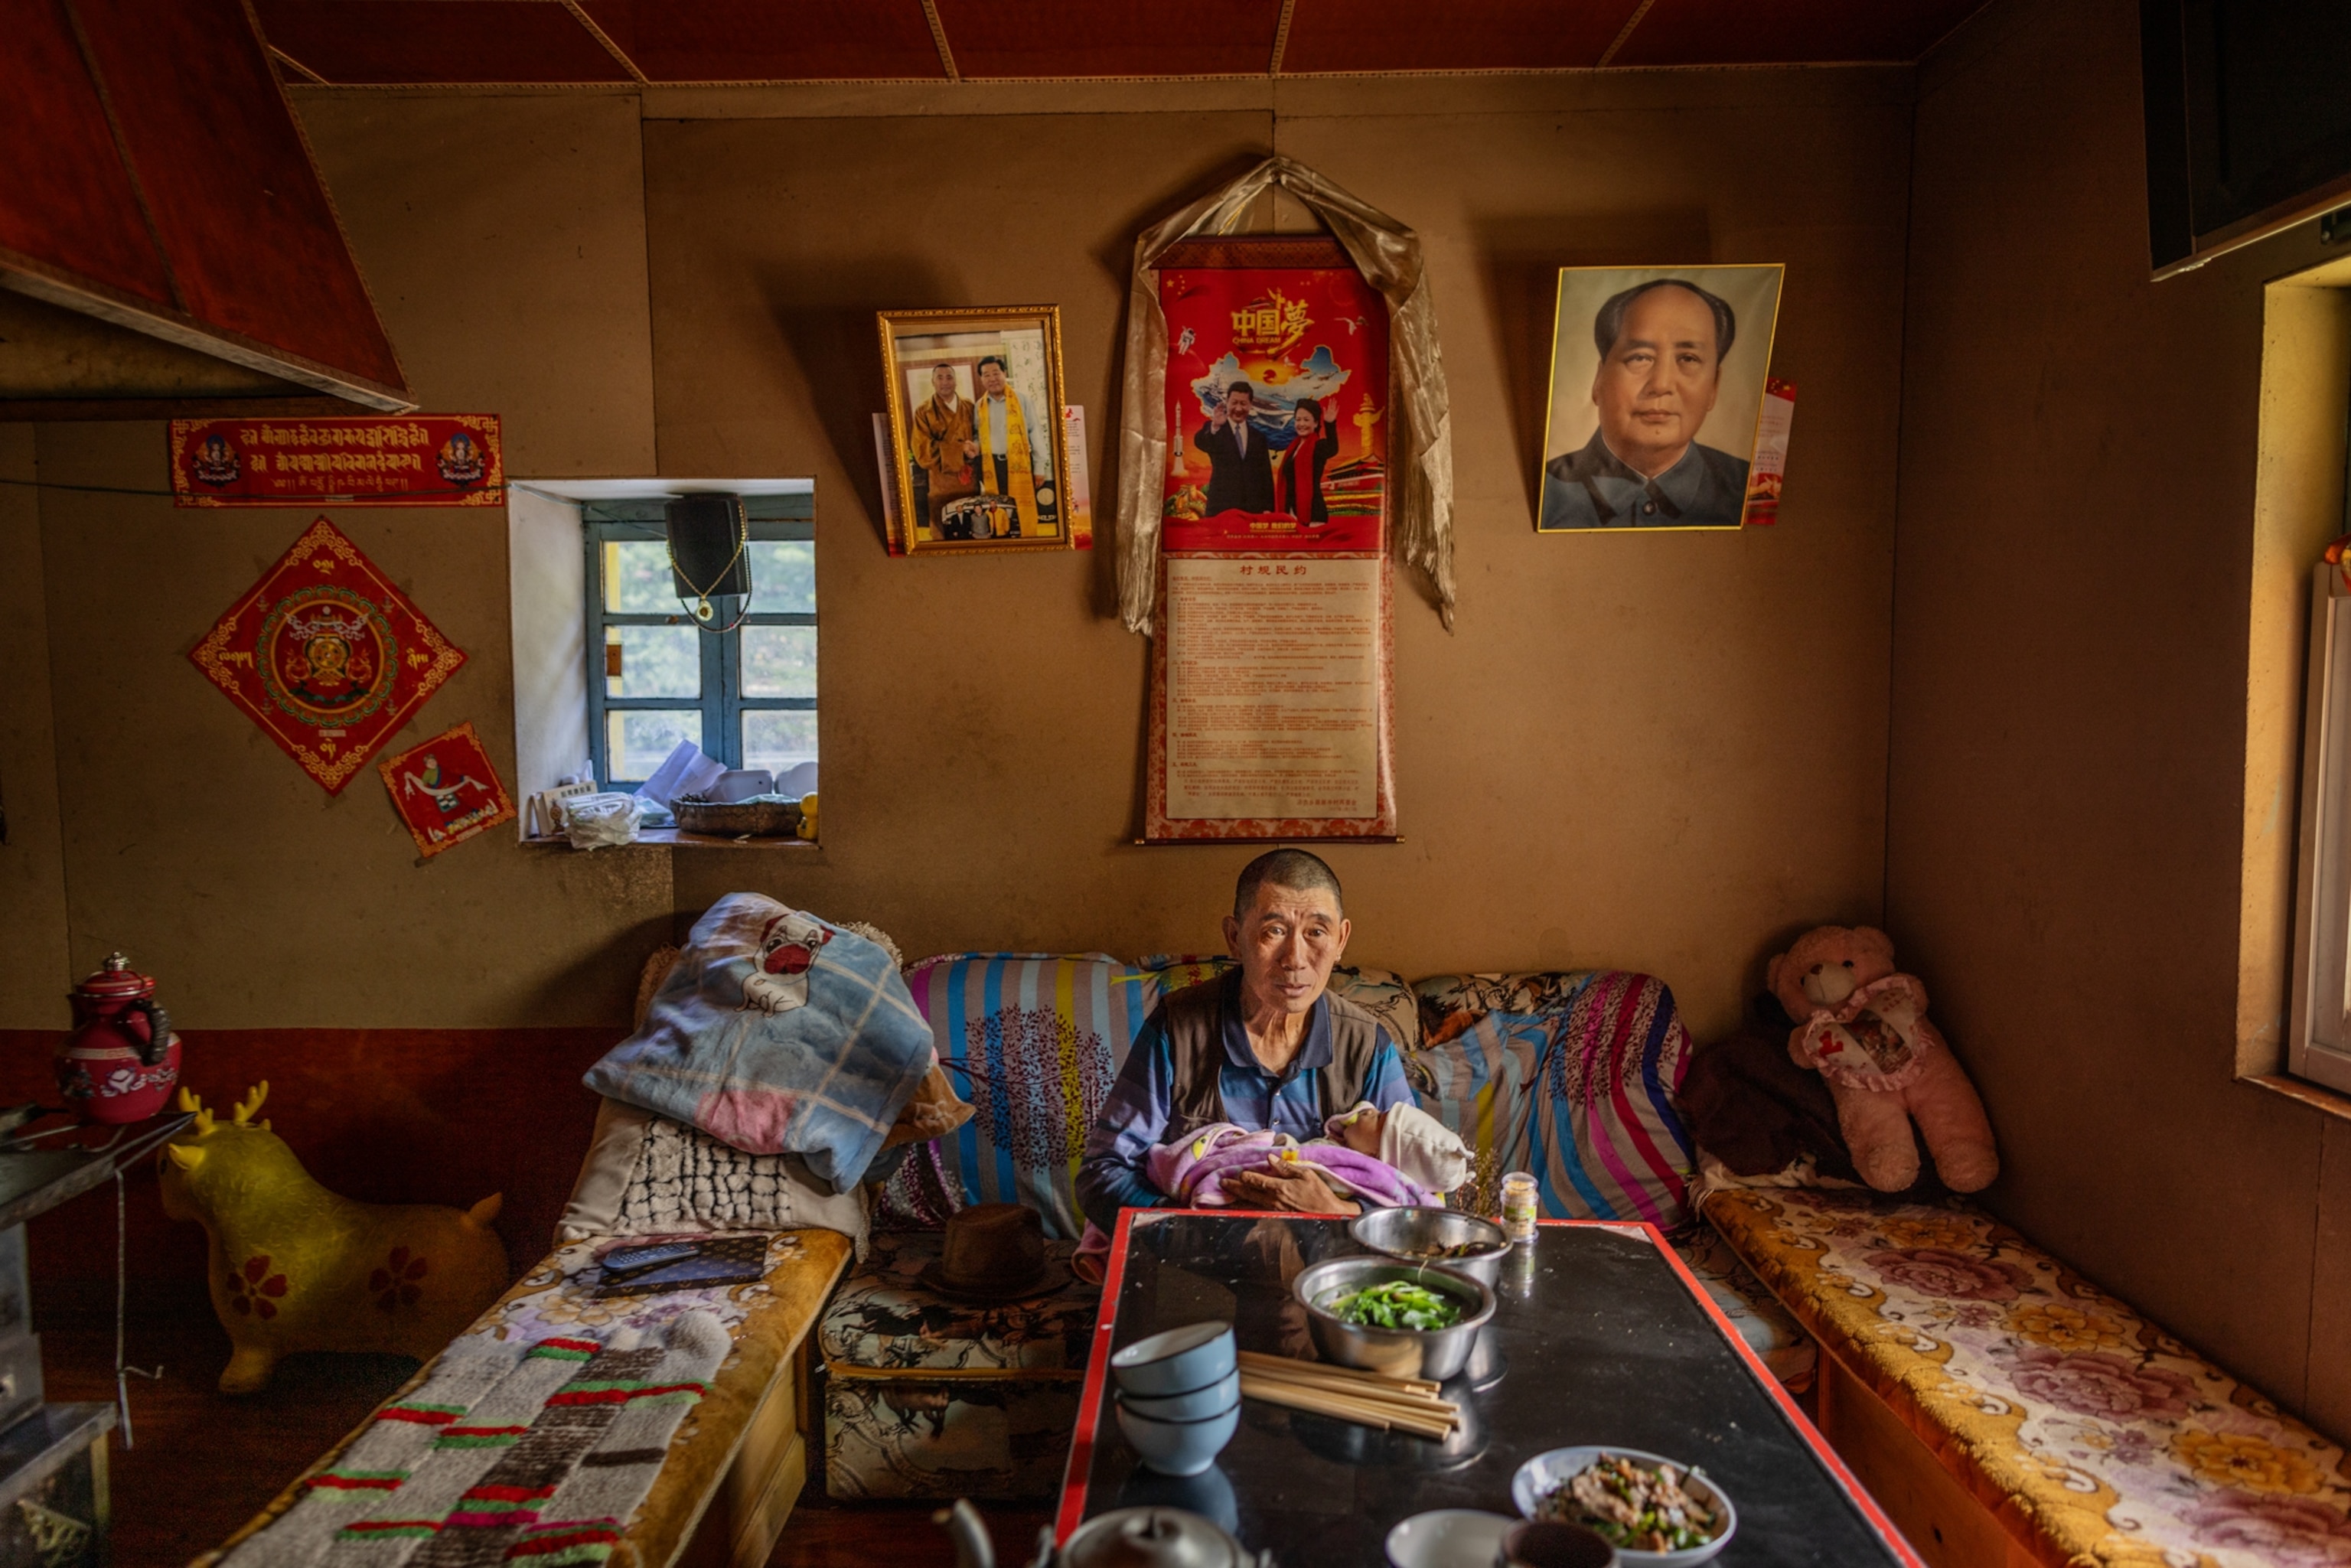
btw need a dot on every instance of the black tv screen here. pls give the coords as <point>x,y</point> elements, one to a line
<point>2247,119</point>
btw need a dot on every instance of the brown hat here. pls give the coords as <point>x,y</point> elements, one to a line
<point>994,1252</point>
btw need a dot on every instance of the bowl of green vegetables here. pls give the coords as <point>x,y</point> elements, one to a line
<point>1400,1319</point>
<point>1657,1512</point>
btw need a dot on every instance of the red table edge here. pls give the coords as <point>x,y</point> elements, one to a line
<point>1073,1510</point>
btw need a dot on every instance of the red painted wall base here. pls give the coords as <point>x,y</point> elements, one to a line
<point>386,1115</point>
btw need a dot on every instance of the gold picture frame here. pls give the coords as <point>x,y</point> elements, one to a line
<point>965,451</point>
<point>1689,434</point>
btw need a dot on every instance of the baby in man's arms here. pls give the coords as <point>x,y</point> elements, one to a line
<point>1392,1159</point>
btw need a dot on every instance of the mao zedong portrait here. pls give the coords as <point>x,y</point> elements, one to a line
<point>1662,344</point>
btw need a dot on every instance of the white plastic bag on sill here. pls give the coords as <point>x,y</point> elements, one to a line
<point>598,821</point>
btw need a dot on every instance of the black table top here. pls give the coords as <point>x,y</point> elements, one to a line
<point>1603,1337</point>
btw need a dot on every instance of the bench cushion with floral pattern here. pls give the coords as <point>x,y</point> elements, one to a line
<point>2093,1436</point>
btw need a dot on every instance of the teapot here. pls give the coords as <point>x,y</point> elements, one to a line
<point>1123,1538</point>
<point>121,1059</point>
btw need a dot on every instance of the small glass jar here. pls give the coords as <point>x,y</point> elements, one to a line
<point>1519,1206</point>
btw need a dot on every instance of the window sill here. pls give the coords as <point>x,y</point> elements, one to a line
<point>673,838</point>
<point>2317,1096</point>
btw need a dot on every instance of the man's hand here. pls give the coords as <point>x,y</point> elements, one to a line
<point>1291,1187</point>
<point>971,449</point>
<point>1217,417</point>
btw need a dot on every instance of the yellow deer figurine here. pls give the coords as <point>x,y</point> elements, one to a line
<point>294,1267</point>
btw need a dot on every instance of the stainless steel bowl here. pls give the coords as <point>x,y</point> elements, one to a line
<point>1413,1233</point>
<point>1435,1354</point>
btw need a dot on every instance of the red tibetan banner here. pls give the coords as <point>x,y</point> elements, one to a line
<point>402,460</point>
<point>326,656</point>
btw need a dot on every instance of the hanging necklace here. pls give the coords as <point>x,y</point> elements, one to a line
<point>702,611</point>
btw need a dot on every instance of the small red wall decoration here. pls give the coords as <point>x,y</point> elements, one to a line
<point>326,656</point>
<point>445,789</point>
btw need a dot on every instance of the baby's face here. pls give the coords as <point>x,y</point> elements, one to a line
<point>1362,1133</point>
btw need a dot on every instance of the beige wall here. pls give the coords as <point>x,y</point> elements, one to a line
<point>1656,752</point>
<point>504,240</point>
<point>34,973</point>
<point>2072,612</point>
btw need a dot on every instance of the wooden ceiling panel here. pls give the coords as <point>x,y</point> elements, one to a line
<point>1746,32</point>
<point>1452,35</point>
<point>66,202</point>
<point>758,40</point>
<point>383,43</point>
<point>237,203</point>
<point>1110,38</point>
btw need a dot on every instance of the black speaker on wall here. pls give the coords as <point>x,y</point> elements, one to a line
<point>708,553</point>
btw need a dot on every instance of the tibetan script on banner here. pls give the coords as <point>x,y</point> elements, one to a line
<point>398,460</point>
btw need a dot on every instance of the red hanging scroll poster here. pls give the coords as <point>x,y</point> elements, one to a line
<point>326,656</point>
<point>398,460</point>
<point>446,791</point>
<point>1272,689</point>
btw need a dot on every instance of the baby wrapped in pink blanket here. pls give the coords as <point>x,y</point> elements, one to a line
<point>1403,1157</point>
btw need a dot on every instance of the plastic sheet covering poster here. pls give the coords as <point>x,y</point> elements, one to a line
<point>1273,688</point>
<point>326,656</point>
<point>397,460</point>
<point>446,791</point>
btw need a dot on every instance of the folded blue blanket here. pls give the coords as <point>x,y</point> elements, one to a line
<point>780,1034</point>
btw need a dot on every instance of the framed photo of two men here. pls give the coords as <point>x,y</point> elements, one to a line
<point>976,428</point>
<point>1657,384</point>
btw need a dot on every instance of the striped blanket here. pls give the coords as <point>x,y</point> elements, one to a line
<point>1569,1076</point>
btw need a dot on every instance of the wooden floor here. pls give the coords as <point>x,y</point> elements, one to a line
<point>202,1463</point>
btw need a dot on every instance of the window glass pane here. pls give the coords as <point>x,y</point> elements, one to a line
<point>778,661</point>
<point>653,662</point>
<point>637,578</point>
<point>783,577</point>
<point>779,740</point>
<point>638,739</point>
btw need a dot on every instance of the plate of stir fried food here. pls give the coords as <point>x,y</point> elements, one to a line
<point>1655,1512</point>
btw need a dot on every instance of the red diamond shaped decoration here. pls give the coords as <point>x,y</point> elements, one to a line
<point>326,656</point>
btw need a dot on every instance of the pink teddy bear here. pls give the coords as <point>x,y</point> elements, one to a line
<point>1865,1028</point>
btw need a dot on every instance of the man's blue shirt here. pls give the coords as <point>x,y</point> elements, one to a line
<point>1134,1116</point>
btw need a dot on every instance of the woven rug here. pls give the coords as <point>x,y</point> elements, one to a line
<point>503,1455</point>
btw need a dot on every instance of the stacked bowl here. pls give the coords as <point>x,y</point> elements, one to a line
<point>1179,1397</point>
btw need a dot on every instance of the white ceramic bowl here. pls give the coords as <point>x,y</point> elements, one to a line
<point>1547,1472</point>
<point>1447,1538</point>
<point>1180,1361</point>
<point>1179,1448</point>
<point>1197,1406</point>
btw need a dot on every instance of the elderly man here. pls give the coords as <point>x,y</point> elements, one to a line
<point>1661,350</point>
<point>1266,1047</point>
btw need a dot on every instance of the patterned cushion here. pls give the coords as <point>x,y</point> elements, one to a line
<point>1569,1076</point>
<point>2096,1436</point>
<point>1387,996</point>
<point>926,1396</point>
<point>1033,1042</point>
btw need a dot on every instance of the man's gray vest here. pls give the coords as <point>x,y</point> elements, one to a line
<point>1194,1020</point>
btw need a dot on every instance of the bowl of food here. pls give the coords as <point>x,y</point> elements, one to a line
<point>1461,1242</point>
<point>1657,1512</point>
<point>1404,1320</point>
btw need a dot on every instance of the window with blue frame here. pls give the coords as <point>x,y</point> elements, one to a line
<point>745,696</point>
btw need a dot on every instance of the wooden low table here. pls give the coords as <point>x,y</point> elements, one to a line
<point>1601,1336</point>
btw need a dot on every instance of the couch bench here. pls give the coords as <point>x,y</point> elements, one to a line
<point>2006,1412</point>
<point>737,1461</point>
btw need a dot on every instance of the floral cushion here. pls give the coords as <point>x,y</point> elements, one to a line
<point>1569,1076</point>
<point>2093,1436</point>
<point>929,1397</point>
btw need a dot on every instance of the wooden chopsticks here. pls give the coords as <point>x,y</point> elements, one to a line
<point>1349,1394</point>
